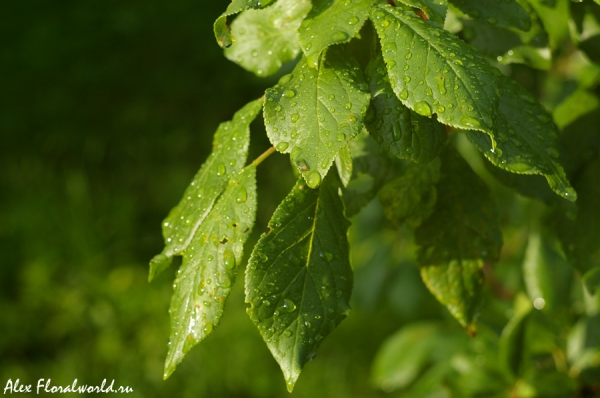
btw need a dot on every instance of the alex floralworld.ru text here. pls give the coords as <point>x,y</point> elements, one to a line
<point>45,385</point>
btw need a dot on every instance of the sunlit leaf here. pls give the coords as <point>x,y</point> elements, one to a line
<point>400,132</point>
<point>341,19</point>
<point>312,113</point>
<point>209,267</point>
<point>222,30</point>
<point>299,279</point>
<point>265,39</point>
<point>460,235</point>
<point>526,139</point>
<point>434,72</point>
<point>230,149</point>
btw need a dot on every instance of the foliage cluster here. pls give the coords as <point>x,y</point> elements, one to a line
<point>415,103</point>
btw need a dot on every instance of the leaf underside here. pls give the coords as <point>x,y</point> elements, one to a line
<point>265,39</point>
<point>299,279</point>
<point>461,234</point>
<point>230,150</point>
<point>209,267</point>
<point>220,28</point>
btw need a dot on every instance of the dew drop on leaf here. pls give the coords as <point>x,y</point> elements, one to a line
<point>313,178</point>
<point>423,108</point>
<point>339,36</point>
<point>229,259</point>
<point>241,195</point>
<point>288,94</point>
<point>282,146</point>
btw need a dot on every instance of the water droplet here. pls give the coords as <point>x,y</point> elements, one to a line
<point>339,36</point>
<point>553,152</point>
<point>518,167</point>
<point>282,146</point>
<point>262,257</point>
<point>423,108</point>
<point>331,97</point>
<point>570,193</point>
<point>285,78</point>
<point>241,195</point>
<point>340,137</point>
<point>207,328</point>
<point>403,94</point>
<point>352,118</point>
<point>406,79</point>
<point>385,23</point>
<point>348,105</point>
<point>353,20</point>
<point>469,121</point>
<point>288,94</point>
<point>287,305</point>
<point>288,333</point>
<point>313,178</point>
<point>294,117</point>
<point>408,56</point>
<point>229,259</point>
<point>221,169</point>
<point>441,85</point>
<point>278,108</point>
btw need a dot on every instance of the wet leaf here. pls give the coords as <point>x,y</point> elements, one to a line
<point>222,30</point>
<point>400,132</point>
<point>410,198</point>
<point>434,9</point>
<point>341,19</point>
<point>230,150</point>
<point>460,235</point>
<point>312,113</point>
<point>434,72</point>
<point>526,139</point>
<point>343,163</point>
<point>265,39</point>
<point>299,279</point>
<point>209,267</point>
<point>505,13</point>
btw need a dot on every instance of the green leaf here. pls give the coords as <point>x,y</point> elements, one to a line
<point>312,113</point>
<point>299,279</point>
<point>513,338</point>
<point>434,9</point>
<point>410,198</point>
<point>400,132</point>
<point>581,237</point>
<point>267,38</point>
<point>555,18</point>
<point>434,72</point>
<point>341,19</point>
<point>505,13</point>
<point>405,355</point>
<point>209,267</point>
<point>222,31</point>
<point>547,274</point>
<point>576,105</point>
<point>526,139</point>
<point>460,235</point>
<point>230,150</point>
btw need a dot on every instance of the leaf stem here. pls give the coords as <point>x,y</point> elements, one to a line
<point>262,157</point>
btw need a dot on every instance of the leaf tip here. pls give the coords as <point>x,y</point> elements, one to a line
<point>158,264</point>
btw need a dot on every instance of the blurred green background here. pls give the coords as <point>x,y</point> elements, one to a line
<point>108,110</point>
